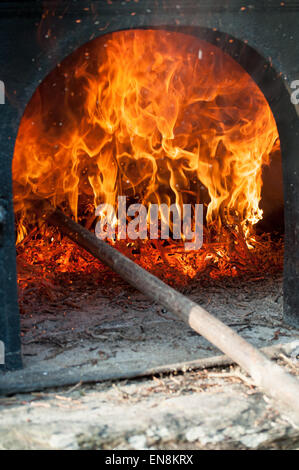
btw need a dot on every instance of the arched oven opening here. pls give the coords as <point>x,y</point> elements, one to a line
<point>178,118</point>
<point>159,118</point>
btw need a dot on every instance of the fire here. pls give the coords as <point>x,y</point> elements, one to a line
<point>160,117</point>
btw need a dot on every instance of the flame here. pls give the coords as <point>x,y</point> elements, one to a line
<point>159,116</point>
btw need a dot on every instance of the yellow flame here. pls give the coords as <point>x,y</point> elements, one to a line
<point>143,113</point>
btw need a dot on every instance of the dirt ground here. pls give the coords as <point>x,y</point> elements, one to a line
<point>114,332</point>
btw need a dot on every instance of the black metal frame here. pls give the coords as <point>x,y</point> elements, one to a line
<point>265,41</point>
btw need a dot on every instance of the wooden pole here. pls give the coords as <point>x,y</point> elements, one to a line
<point>273,379</point>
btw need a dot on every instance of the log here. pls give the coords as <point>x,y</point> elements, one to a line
<point>270,377</point>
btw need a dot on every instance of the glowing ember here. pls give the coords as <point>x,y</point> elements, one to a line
<point>158,116</point>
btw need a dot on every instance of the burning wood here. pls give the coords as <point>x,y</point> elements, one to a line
<point>47,262</point>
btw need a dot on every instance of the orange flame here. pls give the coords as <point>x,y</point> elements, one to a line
<point>159,116</point>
